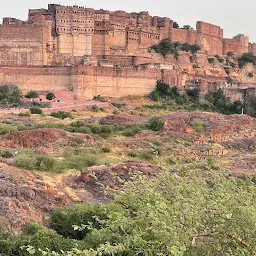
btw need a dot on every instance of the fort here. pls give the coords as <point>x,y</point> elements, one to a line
<point>98,52</point>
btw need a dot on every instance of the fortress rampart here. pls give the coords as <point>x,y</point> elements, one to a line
<point>66,32</point>
<point>98,52</point>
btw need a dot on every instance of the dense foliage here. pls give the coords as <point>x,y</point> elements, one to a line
<point>190,213</point>
<point>167,47</point>
<point>246,58</point>
<point>50,96</point>
<point>175,99</point>
<point>32,94</point>
<point>9,94</point>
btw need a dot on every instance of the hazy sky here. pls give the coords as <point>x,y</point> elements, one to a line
<point>233,16</point>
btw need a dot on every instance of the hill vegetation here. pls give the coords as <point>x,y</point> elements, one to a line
<point>166,174</point>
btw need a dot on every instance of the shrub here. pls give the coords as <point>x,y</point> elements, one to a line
<point>132,131</point>
<point>155,124</point>
<point>221,60</point>
<point>246,58</point>
<point>102,130</point>
<point>186,47</point>
<point>6,154</point>
<point>132,154</point>
<point>36,110</point>
<point>106,149</point>
<point>175,25</point>
<point>95,108</point>
<point>77,124</point>
<point>24,114</point>
<point>50,96</point>
<point>197,125</point>
<point>187,27</point>
<point>9,93</point>
<point>250,74</point>
<point>25,160</point>
<point>118,105</point>
<point>171,161</point>
<point>45,163</point>
<point>35,104</point>
<point>62,220</point>
<point>230,54</point>
<point>7,129</point>
<point>61,115</point>
<point>32,95</point>
<point>80,162</point>
<point>146,155</point>
<point>165,47</point>
<point>29,161</point>
<point>191,58</point>
<point>195,48</point>
<point>211,60</point>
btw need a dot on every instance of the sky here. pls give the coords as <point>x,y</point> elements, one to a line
<point>235,17</point>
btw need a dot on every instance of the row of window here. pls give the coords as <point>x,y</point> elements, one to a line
<point>77,21</point>
<point>74,29</point>
<point>145,35</point>
<point>76,12</point>
<point>120,26</point>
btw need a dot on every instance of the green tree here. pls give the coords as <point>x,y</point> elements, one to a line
<point>165,47</point>
<point>50,96</point>
<point>186,47</point>
<point>155,124</point>
<point>9,93</point>
<point>175,25</point>
<point>195,48</point>
<point>32,95</point>
<point>246,58</point>
<point>187,27</point>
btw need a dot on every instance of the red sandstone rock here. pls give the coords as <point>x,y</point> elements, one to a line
<point>43,140</point>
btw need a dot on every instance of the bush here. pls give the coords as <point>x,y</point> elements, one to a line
<point>25,160</point>
<point>61,115</point>
<point>45,163</point>
<point>77,124</point>
<point>155,124</point>
<point>165,47</point>
<point>29,161</point>
<point>197,125</point>
<point>62,220</point>
<point>132,154</point>
<point>95,108</point>
<point>24,114</point>
<point>36,110</point>
<point>80,162</point>
<point>6,154</point>
<point>106,149</point>
<point>118,105</point>
<point>50,96</point>
<point>132,131</point>
<point>246,58</point>
<point>9,93</point>
<point>211,60</point>
<point>146,155</point>
<point>7,129</point>
<point>230,54</point>
<point>102,130</point>
<point>250,74</point>
<point>31,95</point>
